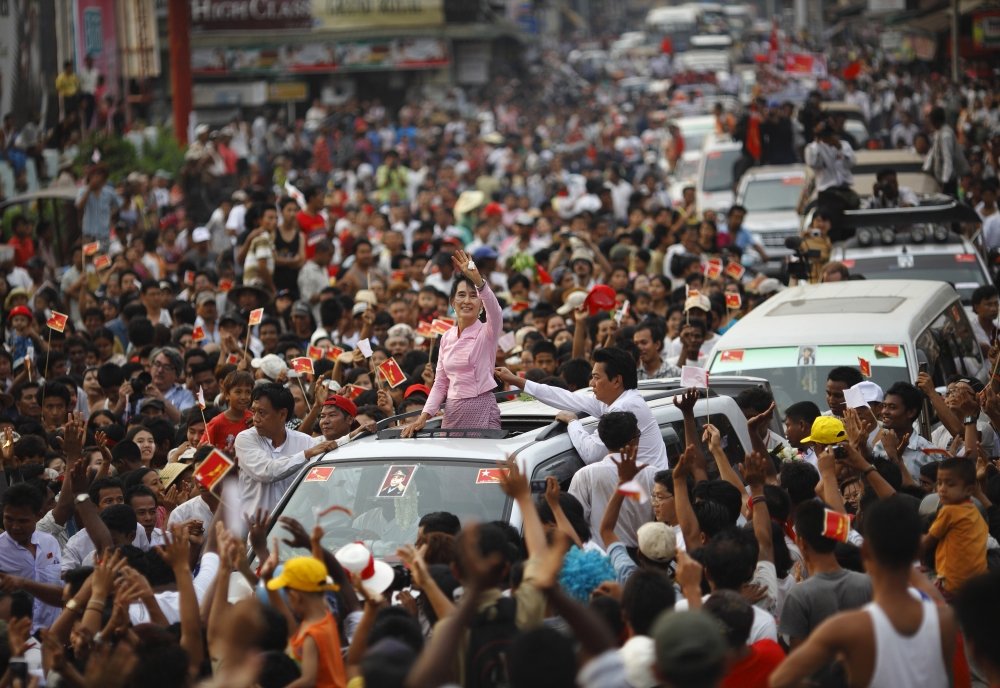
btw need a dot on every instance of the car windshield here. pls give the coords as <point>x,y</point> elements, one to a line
<point>798,373</point>
<point>961,270</point>
<point>694,137</point>
<point>387,497</point>
<point>764,195</point>
<point>719,170</point>
<point>686,169</point>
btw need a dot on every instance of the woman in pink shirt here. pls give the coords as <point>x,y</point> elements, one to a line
<point>466,356</point>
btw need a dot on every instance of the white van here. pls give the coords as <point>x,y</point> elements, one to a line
<point>797,336</point>
<point>716,174</point>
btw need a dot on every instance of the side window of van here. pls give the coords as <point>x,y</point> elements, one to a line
<point>673,437</point>
<point>563,466</point>
<point>950,346</point>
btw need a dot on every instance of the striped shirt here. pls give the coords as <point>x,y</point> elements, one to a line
<point>466,359</point>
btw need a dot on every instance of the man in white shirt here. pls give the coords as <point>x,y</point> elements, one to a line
<point>29,558</point>
<point>102,494</point>
<point>614,382</point>
<point>594,485</point>
<point>269,454</point>
<point>830,158</point>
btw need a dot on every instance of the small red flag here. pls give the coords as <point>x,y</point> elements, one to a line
<point>189,277</point>
<point>543,275</point>
<point>198,334</point>
<point>333,353</point>
<point>91,249</point>
<point>58,321</point>
<point>425,330</point>
<point>315,352</point>
<point>225,285</point>
<point>733,301</point>
<point>302,364</point>
<point>392,373</point>
<point>735,270</point>
<point>256,315</point>
<point>440,325</point>
<point>732,355</point>
<point>866,367</point>
<point>102,262</point>
<point>836,526</point>
<point>714,269</point>
<point>213,469</point>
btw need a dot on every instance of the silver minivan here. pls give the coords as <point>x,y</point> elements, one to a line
<point>899,327</point>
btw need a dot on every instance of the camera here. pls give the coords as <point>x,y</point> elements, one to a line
<point>839,452</point>
<point>402,578</point>
<point>139,384</point>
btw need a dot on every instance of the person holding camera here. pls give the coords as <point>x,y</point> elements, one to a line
<point>887,193</point>
<point>832,158</point>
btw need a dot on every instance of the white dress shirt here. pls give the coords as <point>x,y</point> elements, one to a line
<point>652,450</point>
<point>267,471</point>
<point>43,567</point>
<point>169,602</point>
<point>596,484</point>
<point>193,509</point>
<point>80,547</point>
<point>832,166</point>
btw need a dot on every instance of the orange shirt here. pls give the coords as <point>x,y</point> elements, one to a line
<point>331,673</point>
<point>961,533</point>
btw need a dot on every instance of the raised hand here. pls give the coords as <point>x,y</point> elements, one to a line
<point>627,465</point>
<point>712,437</point>
<point>257,525</point>
<point>685,463</point>
<point>512,481</point>
<point>755,469</point>
<point>686,401</point>
<point>177,552</point>
<point>761,418</point>
<point>462,260</point>
<point>74,433</point>
<point>299,536</point>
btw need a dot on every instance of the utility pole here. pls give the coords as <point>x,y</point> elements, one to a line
<point>179,36</point>
<point>954,41</point>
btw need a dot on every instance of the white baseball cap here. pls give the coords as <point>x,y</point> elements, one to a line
<point>200,234</point>
<point>271,365</point>
<point>871,391</point>
<point>376,576</point>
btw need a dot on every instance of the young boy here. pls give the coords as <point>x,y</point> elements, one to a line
<point>222,430</point>
<point>959,530</point>
<point>316,643</point>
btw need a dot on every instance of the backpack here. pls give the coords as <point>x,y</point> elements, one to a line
<point>490,635</point>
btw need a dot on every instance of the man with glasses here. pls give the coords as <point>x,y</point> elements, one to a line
<point>165,366</point>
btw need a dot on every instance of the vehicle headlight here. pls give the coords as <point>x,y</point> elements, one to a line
<point>941,234</point>
<point>865,237</point>
<point>887,236</point>
<point>917,236</point>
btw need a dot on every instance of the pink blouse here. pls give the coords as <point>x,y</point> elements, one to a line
<point>466,361</point>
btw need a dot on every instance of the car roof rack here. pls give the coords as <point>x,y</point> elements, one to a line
<point>467,433</point>
<point>386,422</point>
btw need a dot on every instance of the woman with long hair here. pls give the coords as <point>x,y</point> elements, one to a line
<point>466,356</point>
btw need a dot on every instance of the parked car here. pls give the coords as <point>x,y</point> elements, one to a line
<point>458,474</point>
<point>716,175</point>
<point>798,335</point>
<point>915,244</point>
<point>771,196</point>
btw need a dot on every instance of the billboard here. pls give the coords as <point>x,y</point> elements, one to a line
<point>96,35</point>
<point>250,15</point>
<point>366,14</point>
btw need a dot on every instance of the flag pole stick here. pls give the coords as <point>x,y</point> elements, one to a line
<point>45,374</point>
<point>304,395</point>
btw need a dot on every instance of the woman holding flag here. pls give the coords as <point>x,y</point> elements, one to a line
<point>466,356</point>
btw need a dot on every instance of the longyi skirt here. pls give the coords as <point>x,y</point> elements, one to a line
<point>472,413</point>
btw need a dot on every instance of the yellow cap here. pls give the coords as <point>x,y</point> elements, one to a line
<point>304,574</point>
<point>826,430</point>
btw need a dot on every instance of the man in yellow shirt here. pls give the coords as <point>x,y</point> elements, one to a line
<point>68,88</point>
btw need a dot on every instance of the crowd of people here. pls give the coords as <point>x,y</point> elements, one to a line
<point>295,283</point>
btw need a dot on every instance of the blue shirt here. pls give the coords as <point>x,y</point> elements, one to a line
<point>96,221</point>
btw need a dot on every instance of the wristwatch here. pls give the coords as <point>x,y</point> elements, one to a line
<point>969,420</point>
<point>81,498</point>
<point>74,607</point>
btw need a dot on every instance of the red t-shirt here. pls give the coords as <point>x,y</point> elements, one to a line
<point>313,227</point>
<point>24,249</point>
<point>754,670</point>
<point>221,432</point>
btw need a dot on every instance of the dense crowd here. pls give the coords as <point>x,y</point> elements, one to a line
<point>295,283</point>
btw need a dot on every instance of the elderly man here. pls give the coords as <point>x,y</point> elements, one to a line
<point>166,365</point>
